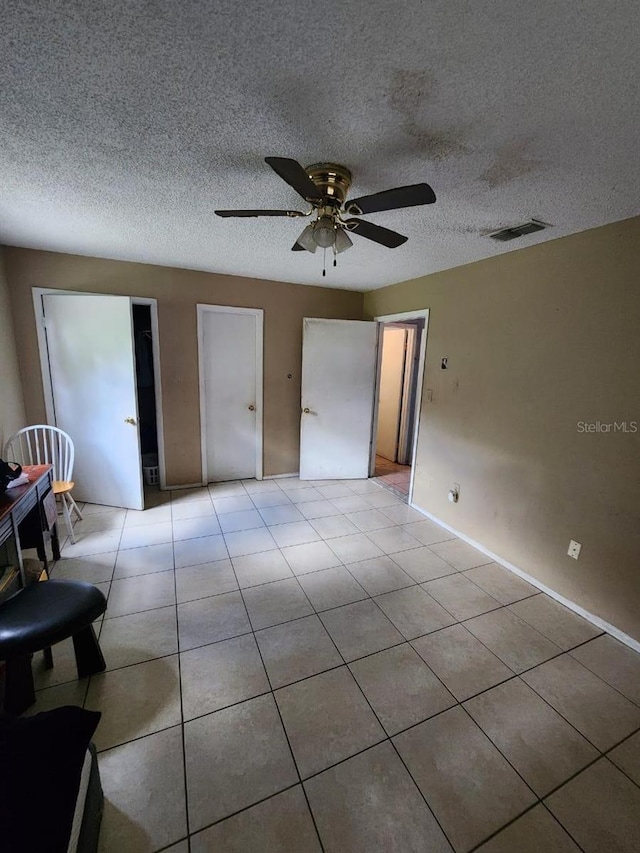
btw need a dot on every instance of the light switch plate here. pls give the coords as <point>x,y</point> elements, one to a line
<point>574,549</point>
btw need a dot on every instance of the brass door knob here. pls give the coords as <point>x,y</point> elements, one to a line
<point>306,411</point>
<point>252,408</point>
<point>131,421</point>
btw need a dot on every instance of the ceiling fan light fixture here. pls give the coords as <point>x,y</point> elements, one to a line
<point>324,232</point>
<point>343,241</point>
<point>306,239</point>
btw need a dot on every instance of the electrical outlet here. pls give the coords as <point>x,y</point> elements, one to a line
<point>429,395</point>
<point>574,549</point>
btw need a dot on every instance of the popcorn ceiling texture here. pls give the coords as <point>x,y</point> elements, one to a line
<point>123,125</point>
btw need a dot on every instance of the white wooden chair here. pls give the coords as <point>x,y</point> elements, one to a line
<point>43,444</point>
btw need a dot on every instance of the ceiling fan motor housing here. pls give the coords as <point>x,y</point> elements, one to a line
<point>333,180</point>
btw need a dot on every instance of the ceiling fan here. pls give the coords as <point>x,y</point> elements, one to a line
<point>325,187</point>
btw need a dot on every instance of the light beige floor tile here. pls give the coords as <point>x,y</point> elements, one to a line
<point>370,519</point>
<point>249,519</point>
<point>221,674</point>
<point>462,598</point>
<point>627,757</point>
<point>535,832</point>
<point>602,714</point>
<point>97,509</point>
<point>96,569</point>
<point>362,487</point>
<point>505,586</point>
<point>310,557</point>
<point>180,847</point>
<point>152,515</point>
<point>142,561</point>
<point>414,612</point>
<point>468,784</point>
<point>402,514</point>
<point>135,701</point>
<point>235,758</point>
<point>512,640</point>
<point>193,552</point>
<point>249,542</point>
<point>273,603</point>
<point>197,493</point>
<point>352,549</point>
<point>393,539</point>
<point>335,490</point>
<point>379,575</point>
<point>369,804</point>
<point>207,579</point>
<point>144,794</point>
<point>230,489</point>
<point>538,742</point>
<point>98,522</point>
<point>281,823</point>
<point>331,588</point>
<point>295,533</point>
<point>334,526</point>
<point>144,592</point>
<point>303,495</point>
<point>360,629</point>
<point>461,661</point>
<point>208,620</point>
<point>69,693</point>
<point>141,636</point>
<point>557,623</point>
<point>192,509</point>
<point>459,554</point>
<point>382,498</point>
<point>614,662</point>
<point>274,498</point>
<point>235,503</point>
<point>255,569</point>
<point>327,719</point>
<point>258,487</point>
<point>318,509</point>
<point>282,514</point>
<point>93,543</point>
<point>146,534</point>
<point>401,688</point>
<point>428,532</point>
<point>350,503</point>
<point>64,666</point>
<point>296,650</point>
<point>422,564</point>
<point>194,528</point>
<point>600,809</point>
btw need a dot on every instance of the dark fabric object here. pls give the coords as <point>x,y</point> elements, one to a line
<point>93,808</point>
<point>8,471</point>
<point>41,759</point>
<point>43,614</point>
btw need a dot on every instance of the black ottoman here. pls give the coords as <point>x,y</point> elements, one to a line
<point>37,618</point>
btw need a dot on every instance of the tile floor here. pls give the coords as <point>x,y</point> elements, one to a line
<point>308,667</point>
<point>393,476</point>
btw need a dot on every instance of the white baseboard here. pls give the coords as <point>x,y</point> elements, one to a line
<point>571,605</point>
<point>281,476</point>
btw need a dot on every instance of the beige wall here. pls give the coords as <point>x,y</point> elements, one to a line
<point>538,340</point>
<point>11,402</point>
<point>178,291</point>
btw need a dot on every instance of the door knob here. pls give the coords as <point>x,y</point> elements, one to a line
<point>252,408</point>
<point>306,411</point>
<point>131,421</point>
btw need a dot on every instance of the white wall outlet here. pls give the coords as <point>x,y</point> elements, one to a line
<point>429,395</point>
<point>574,549</point>
<point>454,494</point>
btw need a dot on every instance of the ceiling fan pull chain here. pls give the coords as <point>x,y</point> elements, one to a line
<point>324,262</point>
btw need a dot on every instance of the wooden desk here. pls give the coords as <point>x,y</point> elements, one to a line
<point>28,517</point>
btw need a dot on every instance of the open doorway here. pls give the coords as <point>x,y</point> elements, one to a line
<point>399,386</point>
<point>146,388</point>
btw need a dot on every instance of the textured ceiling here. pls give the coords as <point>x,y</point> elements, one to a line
<point>123,125</point>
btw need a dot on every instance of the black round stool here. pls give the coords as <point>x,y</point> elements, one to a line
<point>38,617</point>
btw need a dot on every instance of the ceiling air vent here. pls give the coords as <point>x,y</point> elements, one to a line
<point>519,231</point>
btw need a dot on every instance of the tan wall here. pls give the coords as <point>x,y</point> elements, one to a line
<point>178,291</point>
<point>11,402</point>
<point>538,340</point>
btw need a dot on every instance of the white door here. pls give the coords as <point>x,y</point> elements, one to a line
<point>338,379</point>
<point>231,389</point>
<point>390,392</point>
<point>93,381</point>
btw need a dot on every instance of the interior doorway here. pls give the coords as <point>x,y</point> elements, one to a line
<point>143,341</point>
<point>402,345</point>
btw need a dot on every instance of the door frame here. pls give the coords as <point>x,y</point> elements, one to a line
<point>38,308</point>
<point>258,313</point>
<point>418,314</point>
